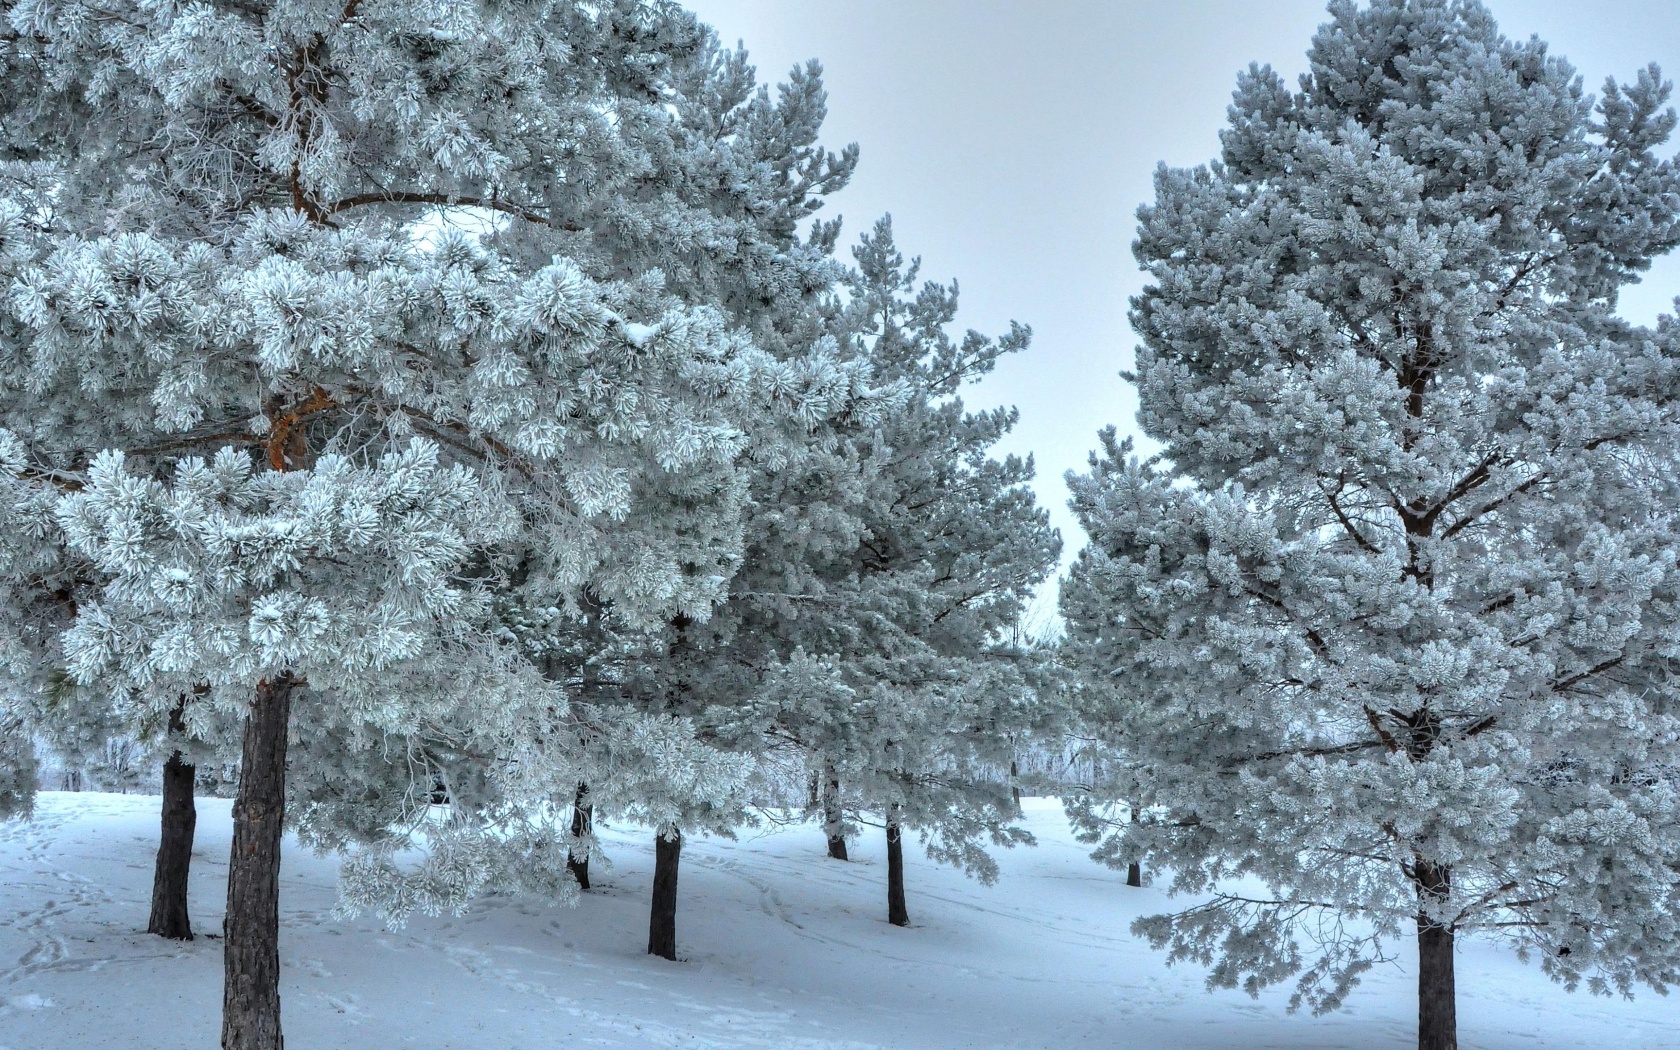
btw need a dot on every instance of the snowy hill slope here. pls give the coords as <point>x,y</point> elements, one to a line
<point>782,947</point>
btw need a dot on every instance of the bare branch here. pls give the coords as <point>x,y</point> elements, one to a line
<point>446,200</point>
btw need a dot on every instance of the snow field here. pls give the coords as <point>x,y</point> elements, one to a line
<point>781,948</point>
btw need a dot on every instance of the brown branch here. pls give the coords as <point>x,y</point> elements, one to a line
<point>1475,479</point>
<point>1487,508</point>
<point>461,437</point>
<point>1487,898</point>
<point>1461,524</point>
<point>1499,603</point>
<point>446,200</point>
<point>285,453</point>
<point>1347,524</point>
<point>1534,262</point>
<point>463,430</point>
<point>1530,902</point>
<point>53,478</point>
<point>1306,752</point>
<point>187,441</point>
<point>1314,639</point>
<point>298,93</point>
<point>1565,683</point>
<point>255,109</point>
<point>433,430</point>
<point>1481,727</point>
<point>1376,723</point>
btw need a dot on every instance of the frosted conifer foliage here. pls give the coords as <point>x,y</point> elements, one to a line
<point>1388,626</point>
<point>224,575</point>
<point>295,237</point>
<point>868,627</point>
<point>283,301</point>
<point>931,692</point>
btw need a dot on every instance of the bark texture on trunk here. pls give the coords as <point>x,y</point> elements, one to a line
<point>251,949</point>
<point>834,814</point>
<point>1437,994</point>
<point>583,827</point>
<point>1134,874</point>
<point>662,918</point>
<point>897,913</point>
<point>1015,786</point>
<point>174,855</point>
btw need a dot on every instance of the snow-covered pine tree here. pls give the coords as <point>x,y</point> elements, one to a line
<point>953,544</point>
<point>1388,627</point>
<point>759,162</point>
<point>667,771</point>
<point>866,632</point>
<point>43,586</point>
<point>339,440</point>
<point>751,167</point>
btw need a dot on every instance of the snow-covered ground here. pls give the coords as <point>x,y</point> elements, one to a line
<point>782,948</point>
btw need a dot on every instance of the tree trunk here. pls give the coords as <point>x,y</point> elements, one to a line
<point>662,920</point>
<point>1015,786</point>
<point>1437,996</point>
<point>834,814</point>
<point>1134,870</point>
<point>897,913</point>
<point>174,855</point>
<point>583,828</point>
<point>251,950</point>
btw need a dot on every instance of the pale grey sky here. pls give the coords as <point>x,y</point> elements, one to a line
<point>1013,141</point>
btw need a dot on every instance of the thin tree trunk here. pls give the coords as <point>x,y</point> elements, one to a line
<point>1437,995</point>
<point>251,951</point>
<point>174,856</point>
<point>662,919</point>
<point>583,829</point>
<point>1134,870</point>
<point>1015,786</point>
<point>813,790</point>
<point>897,913</point>
<point>834,814</point>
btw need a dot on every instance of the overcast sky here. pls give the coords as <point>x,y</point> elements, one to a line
<point>1013,142</point>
